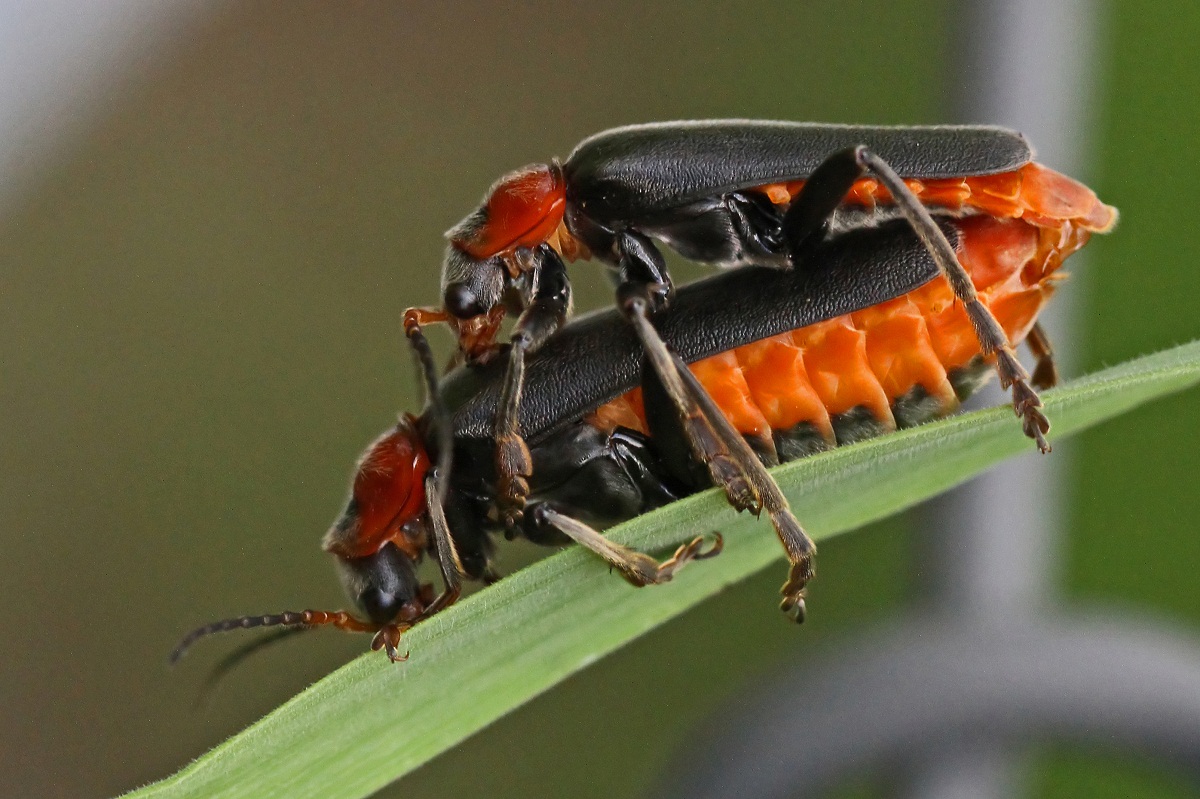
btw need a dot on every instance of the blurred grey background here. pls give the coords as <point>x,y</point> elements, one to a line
<point>210,218</point>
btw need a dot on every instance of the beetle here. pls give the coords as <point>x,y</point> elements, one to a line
<point>729,193</point>
<point>785,363</point>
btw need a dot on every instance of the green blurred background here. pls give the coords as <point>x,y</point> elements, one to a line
<point>199,331</point>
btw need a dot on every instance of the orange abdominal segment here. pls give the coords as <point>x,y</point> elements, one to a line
<point>871,358</point>
<point>727,385</point>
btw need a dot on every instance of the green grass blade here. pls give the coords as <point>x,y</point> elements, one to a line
<point>371,722</point>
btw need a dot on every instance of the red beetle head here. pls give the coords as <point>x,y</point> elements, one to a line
<point>494,244</point>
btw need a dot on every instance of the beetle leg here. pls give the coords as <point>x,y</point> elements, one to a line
<point>641,264</point>
<point>545,314</point>
<point>708,447</point>
<point>731,463</point>
<point>640,295</point>
<point>441,417</point>
<point>806,221</point>
<point>800,549</point>
<point>1045,373</point>
<point>447,553</point>
<point>436,485</point>
<point>758,223</point>
<point>636,567</point>
<point>992,338</point>
<point>436,482</point>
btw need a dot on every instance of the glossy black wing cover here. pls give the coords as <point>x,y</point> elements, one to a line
<point>632,173</point>
<point>597,357</point>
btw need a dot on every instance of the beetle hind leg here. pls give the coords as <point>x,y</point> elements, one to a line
<point>806,223</point>
<point>992,338</point>
<point>638,568</point>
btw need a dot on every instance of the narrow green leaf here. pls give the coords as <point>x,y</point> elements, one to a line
<point>371,721</point>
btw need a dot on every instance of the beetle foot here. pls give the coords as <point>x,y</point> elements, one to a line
<point>1025,400</point>
<point>388,639</point>
<point>1036,425</point>
<point>793,590</point>
<point>642,570</point>
<point>1028,405</point>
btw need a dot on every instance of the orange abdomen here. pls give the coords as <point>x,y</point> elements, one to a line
<point>914,346</point>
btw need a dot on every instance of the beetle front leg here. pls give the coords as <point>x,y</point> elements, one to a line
<point>806,222</point>
<point>545,314</point>
<point>437,480</point>
<point>444,549</point>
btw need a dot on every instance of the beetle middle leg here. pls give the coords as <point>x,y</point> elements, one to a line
<point>645,288</point>
<point>800,549</point>
<point>806,223</point>
<point>637,567</point>
<point>757,226</point>
<point>731,463</point>
<point>723,467</point>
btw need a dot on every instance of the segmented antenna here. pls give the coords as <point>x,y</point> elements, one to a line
<point>289,618</point>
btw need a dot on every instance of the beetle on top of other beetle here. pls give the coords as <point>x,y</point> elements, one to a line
<point>781,363</point>
<point>731,193</point>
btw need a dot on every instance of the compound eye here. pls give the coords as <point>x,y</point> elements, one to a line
<point>462,302</point>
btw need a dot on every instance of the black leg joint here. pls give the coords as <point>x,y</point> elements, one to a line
<point>807,220</point>
<point>642,263</point>
<point>758,223</point>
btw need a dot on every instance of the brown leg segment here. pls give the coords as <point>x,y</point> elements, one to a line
<point>636,567</point>
<point>447,553</point>
<point>547,310</point>
<point>514,463</point>
<point>732,464</point>
<point>992,339</point>
<point>800,549</point>
<point>723,467</point>
<point>1045,373</point>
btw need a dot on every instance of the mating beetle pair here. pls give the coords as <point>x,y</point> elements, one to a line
<point>832,331</point>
